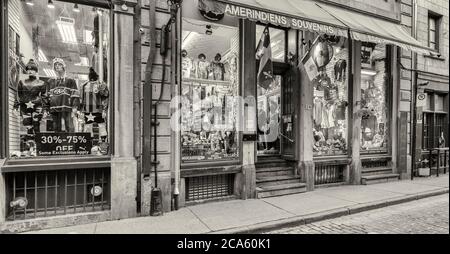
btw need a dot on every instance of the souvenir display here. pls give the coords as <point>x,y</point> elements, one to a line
<point>208,107</point>
<point>330,101</point>
<point>59,99</point>
<point>374,121</point>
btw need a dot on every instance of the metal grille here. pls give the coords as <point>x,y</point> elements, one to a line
<point>326,174</point>
<point>51,193</point>
<point>374,164</point>
<point>209,187</point>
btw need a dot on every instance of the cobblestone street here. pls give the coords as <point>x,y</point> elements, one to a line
<point>427,216</point>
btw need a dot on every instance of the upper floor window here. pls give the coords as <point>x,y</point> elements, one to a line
<point>433,31</point>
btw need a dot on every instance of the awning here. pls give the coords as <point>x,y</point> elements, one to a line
<point>296,14</point>
<point>371,29</point>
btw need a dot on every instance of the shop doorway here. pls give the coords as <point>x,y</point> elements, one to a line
<point>276,135</point>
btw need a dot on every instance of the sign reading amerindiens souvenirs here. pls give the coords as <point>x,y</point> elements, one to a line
<point>51,144</point>
<point>281,20</point>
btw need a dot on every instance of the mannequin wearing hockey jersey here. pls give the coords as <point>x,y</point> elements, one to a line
<point>63,98</point>
<point>94,104</point>
<point>29,98</point>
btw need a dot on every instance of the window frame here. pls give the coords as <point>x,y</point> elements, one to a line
<point>431,128</point>
<point>437,23</point>
<point>51,162</point>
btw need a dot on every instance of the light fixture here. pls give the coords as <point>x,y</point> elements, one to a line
<point>42,57</point>
<point>49,72</point>
<point>29,2</point>
<point>208,30</point>
<point>50,4</point>
<point>75,8</point>
<point>67,30</point>
<point>368,72</point>
<point>84,61</point>
<point>124,7</point>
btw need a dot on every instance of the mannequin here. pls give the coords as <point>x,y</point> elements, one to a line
<point>187,65</point>
<point>202,67</point>
<point>218,68</point>
<point>94,105</point>
<point>29,98</point>
<point>63,97</point>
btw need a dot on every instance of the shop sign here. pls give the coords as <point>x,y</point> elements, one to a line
<point>52,144</point>
<point>421,100</point>
<point>279,20</point>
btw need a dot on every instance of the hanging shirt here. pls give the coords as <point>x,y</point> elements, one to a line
<point>30,91</point>
<point>94,97</point>
<point>63,94</point>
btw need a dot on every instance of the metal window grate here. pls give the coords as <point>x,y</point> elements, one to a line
<point>326,174</point>
<point>209,187</point>
<point>52,193</point>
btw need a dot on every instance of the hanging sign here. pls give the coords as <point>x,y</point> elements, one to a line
<point>281,20</point>
<point>421,100</point>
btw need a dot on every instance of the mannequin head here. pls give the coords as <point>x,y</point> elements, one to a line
<point>184,53</point>
<point>59,66</point>
<point>202,57</point>
<point>218,57</point>
<point>93,76</point>
<point>31,69</point>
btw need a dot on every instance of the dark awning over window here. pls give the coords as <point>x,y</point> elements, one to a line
<point>371,29</point>
<point>322,18</point>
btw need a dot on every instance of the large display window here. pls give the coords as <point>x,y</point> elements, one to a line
<point>210,88</point>
<point>330,103</point>
<point>59,90</point>
<point>374,103</point>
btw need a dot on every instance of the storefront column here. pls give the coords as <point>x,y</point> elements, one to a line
<point>124,164</point>
<point>355,166</point>
<point>305,163</point>
<point>2,196</point>
<point>248,82</point>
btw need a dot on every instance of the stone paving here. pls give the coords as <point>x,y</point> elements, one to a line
<point>426,216</point>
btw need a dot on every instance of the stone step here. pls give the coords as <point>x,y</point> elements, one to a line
<point>376,171</point>
<point>274,171</point>
<point>279,190</point>
<point>383,178</point>
<point>276,180</point>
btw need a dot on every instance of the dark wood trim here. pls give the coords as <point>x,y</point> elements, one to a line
<point>211,171</point>
<point>42,164</point>
<point>207,164</point>
<point>351,103</point>
<point>97,3</point>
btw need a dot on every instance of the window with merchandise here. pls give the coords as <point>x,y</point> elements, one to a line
<point>210,87</point>
<point>58,79</point>
<point>330,103</point>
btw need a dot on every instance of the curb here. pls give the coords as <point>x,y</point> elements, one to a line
<point>330,214</point>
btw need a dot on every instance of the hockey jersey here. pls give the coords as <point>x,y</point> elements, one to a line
<point>94,96</point>
<point>62,95</point>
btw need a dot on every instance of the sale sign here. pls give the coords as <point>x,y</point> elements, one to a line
<point>52,144</point>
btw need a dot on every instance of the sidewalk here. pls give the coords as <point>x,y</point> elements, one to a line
<point>255,215</point>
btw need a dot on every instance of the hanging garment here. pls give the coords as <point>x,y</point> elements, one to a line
<point>340,68</point>
<point>318,109</point>
<point>187,67</point>
<point>339,113</point>
<point>94,97</point>
<point>202,69</point>
<point>218,70</point>
<point>30,91</point>
<point>63,94</point>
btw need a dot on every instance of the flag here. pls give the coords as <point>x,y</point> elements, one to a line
<point>264,55</point>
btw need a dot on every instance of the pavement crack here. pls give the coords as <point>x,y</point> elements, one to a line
<point>279,207</point>
<point>196,216</point>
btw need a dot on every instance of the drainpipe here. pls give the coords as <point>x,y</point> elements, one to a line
<point>414,91</point>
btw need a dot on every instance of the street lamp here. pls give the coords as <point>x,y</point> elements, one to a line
<point>416,87</point>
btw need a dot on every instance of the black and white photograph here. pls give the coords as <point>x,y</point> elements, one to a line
<point>244,119</point>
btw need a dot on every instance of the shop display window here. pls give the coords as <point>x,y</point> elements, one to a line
<point>277,39</point>
<point>210,87</point>
<point>330,102</point>
<point>374,104</point>
<point>59,90</point>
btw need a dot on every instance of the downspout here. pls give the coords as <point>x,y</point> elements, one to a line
<point>414,91</point>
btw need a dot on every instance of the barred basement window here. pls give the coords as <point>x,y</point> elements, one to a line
<point>209,187</point>
<point>51,193</point>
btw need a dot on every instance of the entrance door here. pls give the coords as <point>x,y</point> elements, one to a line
<point>277,115</point>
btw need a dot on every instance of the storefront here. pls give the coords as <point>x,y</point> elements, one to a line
<point>333,74</point>
<point>61,74</point>
<point>217,100</point>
